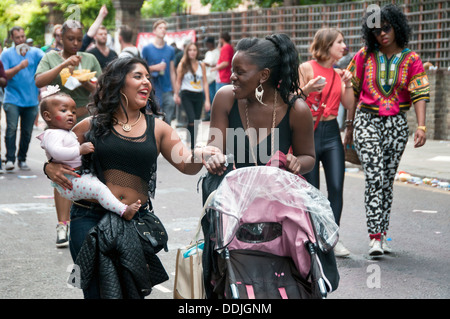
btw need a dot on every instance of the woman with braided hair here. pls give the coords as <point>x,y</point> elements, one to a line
<point>257,115</point>
<point>262,101</point>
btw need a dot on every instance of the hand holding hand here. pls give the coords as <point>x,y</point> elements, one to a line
<point>217,163</point>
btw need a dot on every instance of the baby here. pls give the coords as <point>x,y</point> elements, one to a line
<point>61,146</point>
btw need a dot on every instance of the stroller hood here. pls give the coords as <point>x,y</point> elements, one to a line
<point>267,194</point>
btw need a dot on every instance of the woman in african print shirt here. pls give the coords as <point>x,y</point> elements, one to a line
<point>387,78</point>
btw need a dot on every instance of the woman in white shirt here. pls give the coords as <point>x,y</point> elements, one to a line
<point>191,88</point>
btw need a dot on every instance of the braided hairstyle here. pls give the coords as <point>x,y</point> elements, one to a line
<point>277,53</point>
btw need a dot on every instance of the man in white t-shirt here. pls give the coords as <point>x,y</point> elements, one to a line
<point>211,58</point>
<point>125,40</point>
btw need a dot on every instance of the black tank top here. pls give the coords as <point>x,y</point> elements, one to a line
<point>241,147</point>
<point>129,161</point>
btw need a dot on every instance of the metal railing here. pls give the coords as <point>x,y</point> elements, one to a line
<point>429,20</point>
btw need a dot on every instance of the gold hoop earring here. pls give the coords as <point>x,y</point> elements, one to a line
<point>259,92</point>
<point>126,99</point>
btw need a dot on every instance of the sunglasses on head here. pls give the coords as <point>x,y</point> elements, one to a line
<point>386,28</point>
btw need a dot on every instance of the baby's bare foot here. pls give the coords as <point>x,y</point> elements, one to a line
<point>131,210</point>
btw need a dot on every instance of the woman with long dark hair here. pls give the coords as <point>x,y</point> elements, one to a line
<point>127,143</point>
<point>387,78</point>
<point>191,87</point>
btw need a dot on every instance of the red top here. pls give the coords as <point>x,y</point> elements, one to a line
<point>226,54</point>
<point>315,99</point>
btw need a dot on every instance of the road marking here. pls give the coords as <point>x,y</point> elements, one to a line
<point>425,211</point>
<point>10,211</point>
<point>440,159</point>
<point>162,289</point>
<point>37,208</point>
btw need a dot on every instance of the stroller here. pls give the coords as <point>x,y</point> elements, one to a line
<point>268,235</point>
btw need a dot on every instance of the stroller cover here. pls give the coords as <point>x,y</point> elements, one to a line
<point>269,211</point>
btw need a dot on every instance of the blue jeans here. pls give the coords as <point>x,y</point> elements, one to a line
<point>82,220</point>
<point>212,91</point>
<point>168,106</point>
<point>27,116</point>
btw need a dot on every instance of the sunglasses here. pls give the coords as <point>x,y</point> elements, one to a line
<point>377,31</point>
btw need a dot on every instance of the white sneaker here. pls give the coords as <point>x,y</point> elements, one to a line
<point>9,166</point>
<point>340,250</point>
<point>24,167</point>
<point>375,248</point>
<point>62,236</point>
<point>385,245</point>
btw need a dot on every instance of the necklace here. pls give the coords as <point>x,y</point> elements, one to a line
<point>272,130</point>
<point>127,127</point>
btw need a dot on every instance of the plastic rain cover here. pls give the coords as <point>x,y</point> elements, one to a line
<point>261,190</point>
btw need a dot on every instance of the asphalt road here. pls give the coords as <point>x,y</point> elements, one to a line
<point>31,267</point>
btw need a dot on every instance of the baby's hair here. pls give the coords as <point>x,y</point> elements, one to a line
<point>44,104</point>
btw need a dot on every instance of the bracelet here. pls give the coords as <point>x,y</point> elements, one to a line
<point>195,158</point>
<point>349,86</point>
<point>45,165</point>
<point>423,128</point>
<point>348,123</point>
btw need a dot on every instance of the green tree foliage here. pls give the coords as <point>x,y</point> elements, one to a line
<point>88,11</point>
<point>225,5</point>
<point>33,17</point>
<point>30,16</point>
<point>162,8</point>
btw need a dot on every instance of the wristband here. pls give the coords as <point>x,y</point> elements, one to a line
<point>423,128</point>
<point>45,165</point>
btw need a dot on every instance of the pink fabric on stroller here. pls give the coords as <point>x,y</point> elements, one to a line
<point>251,203</point>
<point>297,230</point>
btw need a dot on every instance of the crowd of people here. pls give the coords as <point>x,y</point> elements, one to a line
<point>258,86</point>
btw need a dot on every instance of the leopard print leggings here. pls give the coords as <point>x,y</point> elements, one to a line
<point>380,142</point>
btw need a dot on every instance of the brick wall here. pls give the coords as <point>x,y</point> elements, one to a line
<point>438,109</point>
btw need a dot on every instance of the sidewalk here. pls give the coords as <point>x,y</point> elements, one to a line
<point>429,164</point>
<point>429,161</point>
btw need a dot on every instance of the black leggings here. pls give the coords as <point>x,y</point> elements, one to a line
<point>329,151</point>
<point>192,103</point>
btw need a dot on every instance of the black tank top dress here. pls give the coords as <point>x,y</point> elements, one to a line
<point>238,143</point>
<point>129,161</point>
